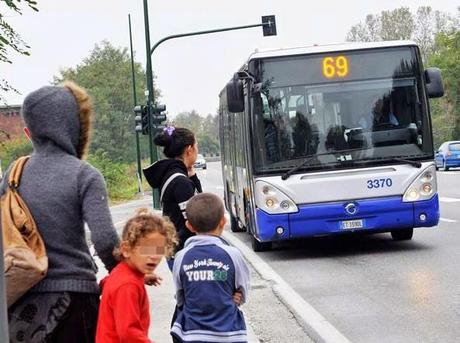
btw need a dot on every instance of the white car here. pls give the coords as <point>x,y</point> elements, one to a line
<point>200,162</point>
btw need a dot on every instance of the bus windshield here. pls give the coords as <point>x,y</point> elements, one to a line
<point>370,103</point>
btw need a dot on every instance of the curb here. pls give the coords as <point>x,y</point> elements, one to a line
<point>316,326</point>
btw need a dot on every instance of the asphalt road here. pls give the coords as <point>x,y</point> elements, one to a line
<point>371,288</point>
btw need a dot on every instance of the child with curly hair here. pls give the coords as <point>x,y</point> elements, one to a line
<point>124,310</point>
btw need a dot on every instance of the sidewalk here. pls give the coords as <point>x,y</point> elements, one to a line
<point>271,316</point>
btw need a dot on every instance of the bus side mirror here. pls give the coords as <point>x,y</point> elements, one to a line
<point>434,85</point>
<point>235,95</point>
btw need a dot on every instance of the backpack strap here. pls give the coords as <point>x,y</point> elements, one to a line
<point>166,184</point>
<point>16,172</point>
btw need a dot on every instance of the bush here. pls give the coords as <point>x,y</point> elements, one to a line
<point>12,149</point>
<point>120,177</point>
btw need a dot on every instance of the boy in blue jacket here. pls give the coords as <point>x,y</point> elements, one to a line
<point>211,278</point>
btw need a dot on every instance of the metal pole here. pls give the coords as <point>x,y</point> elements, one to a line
<point>3,306</point>
<point>204,32</point>
<point>153,150</point>
<point>138,149</point>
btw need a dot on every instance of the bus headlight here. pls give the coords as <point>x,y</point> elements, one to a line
<point>427,189</point>
<point>272,200</point>
<point>422,188</point>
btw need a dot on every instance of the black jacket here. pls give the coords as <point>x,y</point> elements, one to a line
<point>177,193</point>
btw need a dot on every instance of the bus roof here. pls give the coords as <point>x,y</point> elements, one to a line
<point>328,48</point>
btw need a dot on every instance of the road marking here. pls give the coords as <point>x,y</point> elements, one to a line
<point>120,223</point>
<point>452,172</point>
<point>319,329</point>
<point>448,220</point>
<point>447,199</point>
<point>145,199</point>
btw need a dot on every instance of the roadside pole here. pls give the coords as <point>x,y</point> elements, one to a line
<point>138,149</point>
<point>269,29</point>
<point>150,101</point>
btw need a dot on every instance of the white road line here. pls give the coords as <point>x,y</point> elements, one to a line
<point>120,223</point>
<point>319,329</point>
<point>447,199</point>
<point>448,220</point>
<point>452,172</point>
<point>143,200</point>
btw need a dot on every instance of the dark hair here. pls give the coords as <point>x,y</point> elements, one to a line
<point>174,140</point>
<point>204,212</point>
<point>143,223</point>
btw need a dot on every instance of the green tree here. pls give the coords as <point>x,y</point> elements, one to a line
<point>205,129</point>
<point>446,111</point>
<point>11,149</point>
<point>191,120</point>
<point>400,23</point>
<point>397,24</point>
<point>10,39</point>
<point>369,31</point>
<point>106,74</point>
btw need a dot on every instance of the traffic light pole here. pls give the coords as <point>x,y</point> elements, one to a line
<point>150,101</point>
<point>138,149</point>
<point>267,23</point>
<point>269,29</point>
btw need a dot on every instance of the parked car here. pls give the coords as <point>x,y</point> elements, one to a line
<point>448,155</point>
<point>200,162</point>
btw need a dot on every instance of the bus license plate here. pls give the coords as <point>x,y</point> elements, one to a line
<point>352,224</point>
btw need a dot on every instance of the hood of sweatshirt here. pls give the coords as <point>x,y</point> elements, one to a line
<point>157,173</point>
<point>52,115</point>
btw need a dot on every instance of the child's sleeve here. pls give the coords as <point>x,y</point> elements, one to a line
<point>127,315</point>
<point>177,280</point>
<point>242,274</point>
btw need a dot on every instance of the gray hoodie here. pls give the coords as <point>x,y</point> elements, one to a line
<point>63,192</point>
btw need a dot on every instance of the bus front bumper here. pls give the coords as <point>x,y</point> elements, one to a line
<point>367,215</point>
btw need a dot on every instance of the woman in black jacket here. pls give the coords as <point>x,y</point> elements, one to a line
<point>175,177</point>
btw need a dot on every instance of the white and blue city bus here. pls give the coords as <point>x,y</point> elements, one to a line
<point>324,140</point>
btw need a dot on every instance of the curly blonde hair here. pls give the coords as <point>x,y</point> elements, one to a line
<point>144,223</point>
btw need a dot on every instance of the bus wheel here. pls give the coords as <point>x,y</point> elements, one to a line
<point>260,246</point>
<point>402,235</point>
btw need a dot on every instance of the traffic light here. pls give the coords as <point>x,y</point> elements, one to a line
<point>269,25</point>
<point>142,119</point>
<point>158,117</point>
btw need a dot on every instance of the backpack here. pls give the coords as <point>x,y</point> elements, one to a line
<point>24,252</point>
<point>166,184</point>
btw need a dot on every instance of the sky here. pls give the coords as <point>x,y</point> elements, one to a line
<point>190,71</point>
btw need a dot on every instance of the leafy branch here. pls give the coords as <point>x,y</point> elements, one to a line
<point>9,38</point>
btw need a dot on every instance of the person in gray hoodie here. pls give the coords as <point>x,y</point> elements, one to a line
<point>63,192</point>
